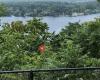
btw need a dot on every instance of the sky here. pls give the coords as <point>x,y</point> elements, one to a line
<point>50,0</point>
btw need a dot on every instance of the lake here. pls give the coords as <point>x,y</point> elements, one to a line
<point>54,23</point>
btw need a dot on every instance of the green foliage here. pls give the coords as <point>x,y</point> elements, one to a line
<point>51,8</point>
<point>3,10</point>
<point>77,45</point>
<point>86,36</point>
<point>18,42</point>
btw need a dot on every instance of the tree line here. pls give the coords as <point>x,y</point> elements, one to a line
<point>50,8</point>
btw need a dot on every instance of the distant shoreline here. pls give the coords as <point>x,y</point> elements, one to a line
<point>68,1</point>
<point>52,16</point>
<point>54,23</point>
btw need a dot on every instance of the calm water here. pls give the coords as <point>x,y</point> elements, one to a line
<point>54,23</point>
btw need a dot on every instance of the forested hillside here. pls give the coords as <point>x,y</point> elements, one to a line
<point>3,10</point>
<point>46,8</point>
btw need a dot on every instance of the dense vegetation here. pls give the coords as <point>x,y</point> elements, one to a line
<point>77,45</point>
<point>3,10</point>
<point>51,8</point>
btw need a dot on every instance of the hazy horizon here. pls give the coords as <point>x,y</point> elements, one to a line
<point>47,0</point>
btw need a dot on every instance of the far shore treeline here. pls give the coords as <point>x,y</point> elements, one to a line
<point>51,8</point>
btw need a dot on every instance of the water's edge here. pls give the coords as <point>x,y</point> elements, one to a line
<point>54,23</point>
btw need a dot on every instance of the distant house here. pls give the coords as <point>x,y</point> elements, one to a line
<point>77,14</point>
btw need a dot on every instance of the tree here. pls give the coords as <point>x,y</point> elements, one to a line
<point>3,10</point>
<point>19,42</point>
<point>86,35</point>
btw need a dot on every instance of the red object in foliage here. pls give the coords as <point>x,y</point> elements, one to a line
<point>41,48</point>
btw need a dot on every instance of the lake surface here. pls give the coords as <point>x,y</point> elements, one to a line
<point>54,23</point>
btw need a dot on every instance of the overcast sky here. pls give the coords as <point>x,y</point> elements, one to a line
<point>51,0</point>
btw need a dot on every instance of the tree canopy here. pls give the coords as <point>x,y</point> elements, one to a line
<point>3,10</point>
<point>77,45</point>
